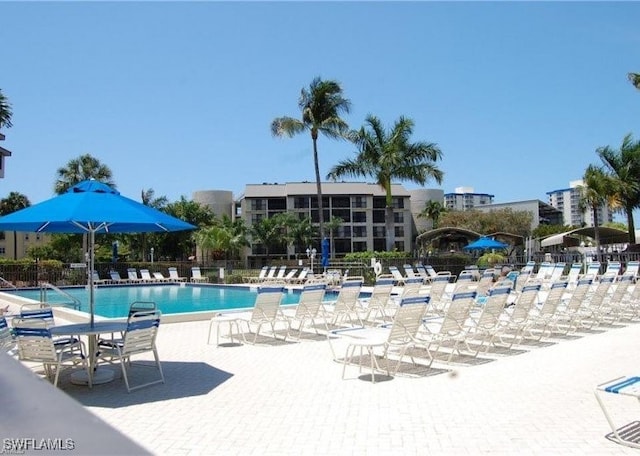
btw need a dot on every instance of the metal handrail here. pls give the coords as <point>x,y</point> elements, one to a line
<point>6,283</point>
<point>43,294</point>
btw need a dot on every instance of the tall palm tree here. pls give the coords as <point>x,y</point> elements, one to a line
<point>433,210</point>
<point>634,78</point>
<point>79,169</point>
<point>623,166</point>
<point>389,154</point>
<point>5,112</point>
<point>321,105</point>
<point>596,191</point>
<point>14,202</point>
<point>333,224</point>
<point>148,198</point>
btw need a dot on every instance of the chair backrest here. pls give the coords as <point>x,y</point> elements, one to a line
<point>438,288</point>
<point>574,272</point>
<point>132,274</point>
<point>408,320</point>
<point>602,290</point>
<point>263,272</point>
<point>432,272</point>
<point>115,276</point>
<point>145,274</point>
<point>529,267</point>
<point>593,269</point>
<point>526,300</point>
<point>158,276</point>
<point>348,295</point>
<point>557,271</point>
<point>267,303</point>
<point>302,276</point>
<point>290,274</point>
<point>381,292</point>
<point>621,288</point>
<point>34,340</point>
<point>173,273</point>
<point>408,271</point>
<point>396,273</point>
<point>195,272</point>
<point>578,297</point>
<point>411,287</point>
<point>272,272</point>
<point>142,307</point>
<point>613,267</point>
<point>632,268</point>
<point>95,276</point>
<point>6,339</point>
<point>457,313</point>
<point>554,298</point>
<point>310,300</point>
<point>422,271</point>
<point>493,307</point>
<point>37,311</point>
<point>141,332</point>
<point>544,271</point>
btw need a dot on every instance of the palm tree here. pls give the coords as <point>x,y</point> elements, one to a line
<point>634,78</point>
<point>148,198</point>
<point>301,234</point>
<point>333,224</point>
<point>596,192</point>
<point>433,210</point>
<point>5,111</point>
<point>14,202</point>
<point>79,169</point>
<point>623,166</point>
<point>270,232</point>
<point>386,155</point>
<point>321,105</point>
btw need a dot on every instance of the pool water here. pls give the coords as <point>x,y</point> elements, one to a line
<point>113,302</point>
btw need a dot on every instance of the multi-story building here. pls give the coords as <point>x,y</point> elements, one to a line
<point>360,206</point>
<point>567,200</point>
<point>3,153</point>
<point>14,245</point>
<point>464,199</point>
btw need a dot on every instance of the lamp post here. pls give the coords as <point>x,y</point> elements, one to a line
<point>584,257</point>
<point>311,254</point>
<point>151,255</point>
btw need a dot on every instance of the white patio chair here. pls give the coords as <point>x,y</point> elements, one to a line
<point>145,276</point>
<point>132,275</point>
<point>484,326</point>
<point>139,338</point>
<point>399,336</point>
<point>173,275</point>
<point>266,311</point>
<point>308,310</point>
<point>259,278</point>
<point>35,344</point>
<point>346,307</point>
<point>378,305</point>
<point>197,277</point>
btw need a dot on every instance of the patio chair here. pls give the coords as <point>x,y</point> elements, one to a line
<point>628,386</point>
<point>485,325</point>
<point>7,343</point>
<point>259,278</point>
<point>289,275</point>
<point>197,277</point>
<point>139,337</point>
<point>529,267</point>
<point>159,277</point>
<point>35,344</point>
<point>346,307</point>
<point>308,310</point>
<point>44,312</point>
<point>115,278</point>
<point>514,320</point>
<point>300,278</point>
<point>266,311</point>
<point>97,280</point>
<point>380,301</point>
<point>145,276</point>
<point>279,276</point>
<point>173,275</point>
<point>397,275</point>
<point>132,275</point>
<point>399,336</point>
<point>613,267</point>
<point>632,269</point>
<point>541,318</point>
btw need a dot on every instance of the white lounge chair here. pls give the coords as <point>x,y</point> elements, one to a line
<point>378,304</point>
<point>145,276</point>
<point>625,386</point>
<point>266,311</point>
<point>132,275</point>
<point>308,310</point>
<point>399,336</point>
<point>346,307</point>
<point>197,277</point>
<point>173,275</point>
<point>115,278</point>
<point>259,278</point>
<point>159,277</point>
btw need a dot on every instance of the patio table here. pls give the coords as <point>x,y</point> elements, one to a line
<point>98,376</point>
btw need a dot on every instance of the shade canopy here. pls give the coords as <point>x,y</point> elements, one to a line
<point>485,243</point>
<point>91,207</point>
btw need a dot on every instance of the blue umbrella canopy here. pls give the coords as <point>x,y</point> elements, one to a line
<point>91,207</point>
<point>485,242</point>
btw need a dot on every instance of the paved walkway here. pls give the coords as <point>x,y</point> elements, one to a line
<point>289,399</point>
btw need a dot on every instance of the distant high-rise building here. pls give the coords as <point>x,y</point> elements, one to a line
<point>567,200</point>
<point>464,199</point>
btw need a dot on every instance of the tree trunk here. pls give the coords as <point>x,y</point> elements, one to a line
<point>631,226</point>
<point>314,136</point>
<point>390,232</point>
<point>596,231</point>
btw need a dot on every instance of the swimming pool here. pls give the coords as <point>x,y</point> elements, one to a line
<point>114,301</point>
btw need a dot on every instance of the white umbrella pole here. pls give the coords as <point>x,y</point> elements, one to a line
<point>92,240</point>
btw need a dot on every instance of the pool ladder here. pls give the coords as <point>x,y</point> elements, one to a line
<point>44,286</point>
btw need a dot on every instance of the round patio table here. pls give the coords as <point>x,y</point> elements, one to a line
<point>97,376</point>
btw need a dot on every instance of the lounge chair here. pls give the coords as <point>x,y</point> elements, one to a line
<point>115,278</point>
<point>632,269</point>
<point>132,275</point>
<point>397,275</point>
<point>259,278</point>
<point>301,278</point>
<point>139,338</point>
<point>346,307</point>
<point>197,277</point>
<point>378,304</point>
<point>6,338</point>
<point>290,275</point>
<point>484,327</point>
<point>35,344</point>
<point>145,276</point>
<point>173,275</point>
<point>279,277</point>
<point>266,311</point>
<point>160,278</point>
<point>98,281</point>
<point>399,336</point>
<point>309,308</point>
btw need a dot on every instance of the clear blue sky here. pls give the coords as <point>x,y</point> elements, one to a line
<point>179,97</point>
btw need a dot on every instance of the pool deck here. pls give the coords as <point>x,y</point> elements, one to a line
<point>290,399</point>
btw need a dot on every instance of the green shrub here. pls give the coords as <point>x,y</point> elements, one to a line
<point>489,260</point>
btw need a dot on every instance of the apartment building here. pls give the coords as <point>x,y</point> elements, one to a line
<point>567,200</point>
<point>465,198</point>
<point>14,245</point>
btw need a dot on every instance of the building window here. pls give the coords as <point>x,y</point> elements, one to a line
<point>344,214</point>
<point>26,236</point>
<point>359,231</point>
<point>379,202</point>
<point>258,205</point>
<point>359,202</point>
<point>398,217</point>
<point>359,217</point>
<point>397,203</point>
<point>2,251</point>
<point>255,218</point>
<point>378,231</point>
<point>380,245</point>
<point>340,201</point>
<point>301,202</point>
<point>399,246</point>
<point>277,204</point>
<point>399,231</point>
<point>359,246</point>
<point>378,216</point>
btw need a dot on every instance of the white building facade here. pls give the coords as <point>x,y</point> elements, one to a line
<point>567,200</point>
<point>465,198</point>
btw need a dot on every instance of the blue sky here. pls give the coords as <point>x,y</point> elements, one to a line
<point>179,97</point>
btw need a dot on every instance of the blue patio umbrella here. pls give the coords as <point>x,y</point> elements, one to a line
<point>484,243</point>
<point>91,208</point>
<point>325,253</point>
